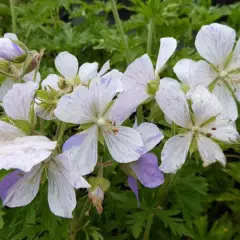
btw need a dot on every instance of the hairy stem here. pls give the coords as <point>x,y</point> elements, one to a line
<point>150,36</point>
<point>120,29</point>
<point>14,26</point>
<point>148,226</point>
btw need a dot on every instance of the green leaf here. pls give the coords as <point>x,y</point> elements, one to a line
<point>174,223</point>
<point>137,222</point>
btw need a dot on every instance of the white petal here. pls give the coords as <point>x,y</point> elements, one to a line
<point>173,102</point>
<point>167,48</point>
<point>150,134</point>
<point>125,104</point>
<point>11,36</point>
<point>204,104</point>
<point>88,71</point>
<point>84,156</point>
<point>78,107</point>
<point>105,89</point>
<point>52,81</point>
<point>29,77</point>
<point>203,74</point>
<point>9,132</point>
<point>18,100</point>
<point>69,170</point>
<point>25,189</point>
<point>138,74</point>
<point>61,194</point>
<point>183,70</point>
<point>226,99</point>
<point>105,68</point>
<point>174,152</point>
<point>67,65</point>
<point>124,146</point>
<point>222,129</point>
<point>209,151</point>
<point>25,152</point>
<point>5,87</point>
<point>214,43</point>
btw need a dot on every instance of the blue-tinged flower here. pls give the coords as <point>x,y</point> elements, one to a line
<point>9,48</point>
<point>19,188</point>
<point>146,168</point>
<point>201,123</point>
<point>140,80</point>
<point>92,106</point>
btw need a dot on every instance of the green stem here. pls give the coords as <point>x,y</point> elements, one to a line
<point>14,26</point>
<point>232,156</point>
<point>120,29</point>
<point>84,209</point>
<point>139,114</point>
<point>148,226</point>
<point>150,36</point>
<point>59,134</point>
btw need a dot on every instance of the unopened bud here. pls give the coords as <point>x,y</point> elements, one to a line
<point>152,87</point>
<point>12,50</point>
<point>99,186</point>
<point>97,197</point>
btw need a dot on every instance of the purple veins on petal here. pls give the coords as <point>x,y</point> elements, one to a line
<point>74,141</point>
<point>8,181</point>
<point>147,170</point>
<point>133,184</point>
<point>17,48</point>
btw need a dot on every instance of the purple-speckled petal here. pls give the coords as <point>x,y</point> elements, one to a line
<point>8,181</point>
<point>73,141</point>
<point>133,184</point>
<point>147,170</point>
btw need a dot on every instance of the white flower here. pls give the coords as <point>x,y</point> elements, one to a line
<point>19,188</point>
<point>215,43</point>
<point>204,123</point>
<point>92,106</point>
<point>140,77</point>
<point>67,65</point>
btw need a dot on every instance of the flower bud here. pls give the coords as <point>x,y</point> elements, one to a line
<point>99,185</point>
<point>97,197</point>
<point>12,50</point>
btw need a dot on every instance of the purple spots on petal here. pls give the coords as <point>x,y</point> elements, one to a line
<point>8,181</point>
<point>147,170</point>
<point>133,184</point>
<point>73,141</point>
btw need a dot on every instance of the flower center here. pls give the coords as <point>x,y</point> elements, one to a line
<point>101,122</point>
<point>223,74</point>
<point>195,129</point>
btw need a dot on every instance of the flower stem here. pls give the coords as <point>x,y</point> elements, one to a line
<point>84,209</point>
<point>14,26</point>
<point>148,226</point>
<point>139,114</point>
<point>120,29</point>
<point>150,36</point>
